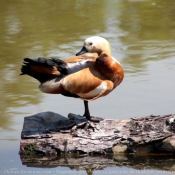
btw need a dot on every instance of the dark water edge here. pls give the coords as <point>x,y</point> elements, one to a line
<point>163,162</point>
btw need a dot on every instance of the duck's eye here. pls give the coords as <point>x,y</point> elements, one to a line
<point>90,44</point>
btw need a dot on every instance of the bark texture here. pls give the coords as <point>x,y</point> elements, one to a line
<point>49,133</point>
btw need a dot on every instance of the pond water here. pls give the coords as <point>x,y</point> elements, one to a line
<point>142,38</point>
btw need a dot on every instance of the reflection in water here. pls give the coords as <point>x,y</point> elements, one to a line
<point>146,51</point>
<point>145,31</point>
<point>12,22</point>
<point>92,164</point>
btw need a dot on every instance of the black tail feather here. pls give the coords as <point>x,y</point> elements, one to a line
<point>45,63</point>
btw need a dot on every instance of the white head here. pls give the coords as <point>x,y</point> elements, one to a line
<point>95,44</point>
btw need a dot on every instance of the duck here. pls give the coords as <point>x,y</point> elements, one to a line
<point>91,74</point>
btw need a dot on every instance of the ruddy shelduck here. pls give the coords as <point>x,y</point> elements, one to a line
<point>91,74</point>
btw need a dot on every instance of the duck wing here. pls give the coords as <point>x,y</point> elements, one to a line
<point>88,84</point>
<point>50,72</point>
<point>87,76</point>
<point>44,69</point>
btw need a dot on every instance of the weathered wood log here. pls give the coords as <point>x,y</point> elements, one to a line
<point>49,133</point>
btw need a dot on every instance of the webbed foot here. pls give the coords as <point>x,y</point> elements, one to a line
<point>94,119</point>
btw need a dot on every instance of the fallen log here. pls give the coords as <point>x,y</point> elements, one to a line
<point>51,134</point>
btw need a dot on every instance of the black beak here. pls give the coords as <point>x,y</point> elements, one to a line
<point>82,51</point>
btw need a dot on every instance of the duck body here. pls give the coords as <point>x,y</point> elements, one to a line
<point>87,76</point>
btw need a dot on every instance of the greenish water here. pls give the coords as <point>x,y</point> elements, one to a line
<point>142,37</point>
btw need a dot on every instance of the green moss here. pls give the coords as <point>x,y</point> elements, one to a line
<point>30,149</point>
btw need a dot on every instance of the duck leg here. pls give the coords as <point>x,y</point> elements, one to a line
<point>87,114</point>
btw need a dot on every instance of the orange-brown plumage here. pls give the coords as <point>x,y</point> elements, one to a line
<point>48,70</point>
<point>89,56</point>
<point>87,76</point>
